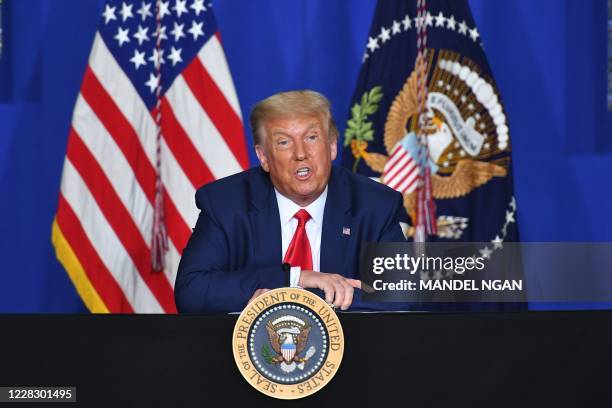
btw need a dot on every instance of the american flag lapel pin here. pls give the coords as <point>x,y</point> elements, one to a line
<point>346,231</point>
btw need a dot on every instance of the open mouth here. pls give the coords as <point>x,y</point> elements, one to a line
<point>303,173</point>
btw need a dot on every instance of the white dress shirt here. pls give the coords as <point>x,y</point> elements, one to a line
<point>314,227</point>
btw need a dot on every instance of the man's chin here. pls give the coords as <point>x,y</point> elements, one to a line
<point>306,196</point>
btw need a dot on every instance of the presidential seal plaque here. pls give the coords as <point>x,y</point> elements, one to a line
<point>288,343</point>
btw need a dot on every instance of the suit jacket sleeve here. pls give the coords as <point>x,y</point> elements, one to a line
<point>204,280</point>
<point>392,232</point>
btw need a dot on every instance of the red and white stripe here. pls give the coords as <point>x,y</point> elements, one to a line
<point>107,198</point>
<point>401,171</point>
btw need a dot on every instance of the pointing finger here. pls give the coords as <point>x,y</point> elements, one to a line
<point>356,283</point>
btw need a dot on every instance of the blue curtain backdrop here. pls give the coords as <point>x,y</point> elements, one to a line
<point>549,58</point>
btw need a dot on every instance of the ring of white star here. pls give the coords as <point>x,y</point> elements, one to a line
<point>259,323</point>
<point>497,242</point>
<point>438,21</point>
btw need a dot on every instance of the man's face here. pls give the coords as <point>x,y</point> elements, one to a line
<point>297,152</point>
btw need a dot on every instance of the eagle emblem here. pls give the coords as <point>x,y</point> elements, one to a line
<point>465,126</point>
<point>288,336</point>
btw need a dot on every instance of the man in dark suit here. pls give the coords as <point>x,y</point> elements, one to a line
<point>295,209</point>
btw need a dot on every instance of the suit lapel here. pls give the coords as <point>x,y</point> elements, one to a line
<point>336,217</point>
<point>265,220</point>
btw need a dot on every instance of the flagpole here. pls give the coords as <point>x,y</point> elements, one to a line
<point>1,32</point>
<point>159,236</point>
<point>425,219</point>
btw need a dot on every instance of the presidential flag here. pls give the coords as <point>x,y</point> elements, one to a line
<point>461,121</point>
<point>157,117</point>
<point>428,120</point>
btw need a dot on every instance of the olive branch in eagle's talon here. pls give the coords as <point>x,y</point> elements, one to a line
<point>359,130</point>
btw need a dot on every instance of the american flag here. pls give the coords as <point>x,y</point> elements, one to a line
<point>156,68</point>
<point>401,171</point>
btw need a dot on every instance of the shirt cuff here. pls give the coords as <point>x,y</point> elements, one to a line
<point>294,276</point>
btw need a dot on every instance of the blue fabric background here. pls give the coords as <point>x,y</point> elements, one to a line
<point>548,57</point>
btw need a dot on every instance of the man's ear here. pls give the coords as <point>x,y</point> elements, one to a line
<point>334,148</point>
<point>263,159</point>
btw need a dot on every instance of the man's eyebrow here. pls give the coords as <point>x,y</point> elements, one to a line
<point>280,133</point>
<point>314,125</point>
<point>308,129</point>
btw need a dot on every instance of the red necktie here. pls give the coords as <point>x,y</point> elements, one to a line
<point>298,253</point>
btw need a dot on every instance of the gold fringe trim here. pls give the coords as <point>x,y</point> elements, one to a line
<point>67,257</point>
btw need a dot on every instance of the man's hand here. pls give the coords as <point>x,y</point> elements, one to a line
<point>257,293</point>
<point>338,289</point>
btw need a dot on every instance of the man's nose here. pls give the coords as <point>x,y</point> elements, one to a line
<point>300,150</point>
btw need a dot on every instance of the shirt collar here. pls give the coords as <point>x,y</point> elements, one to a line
<point>287,208</point>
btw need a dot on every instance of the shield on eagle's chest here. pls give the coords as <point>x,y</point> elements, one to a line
<point>288,351</point>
